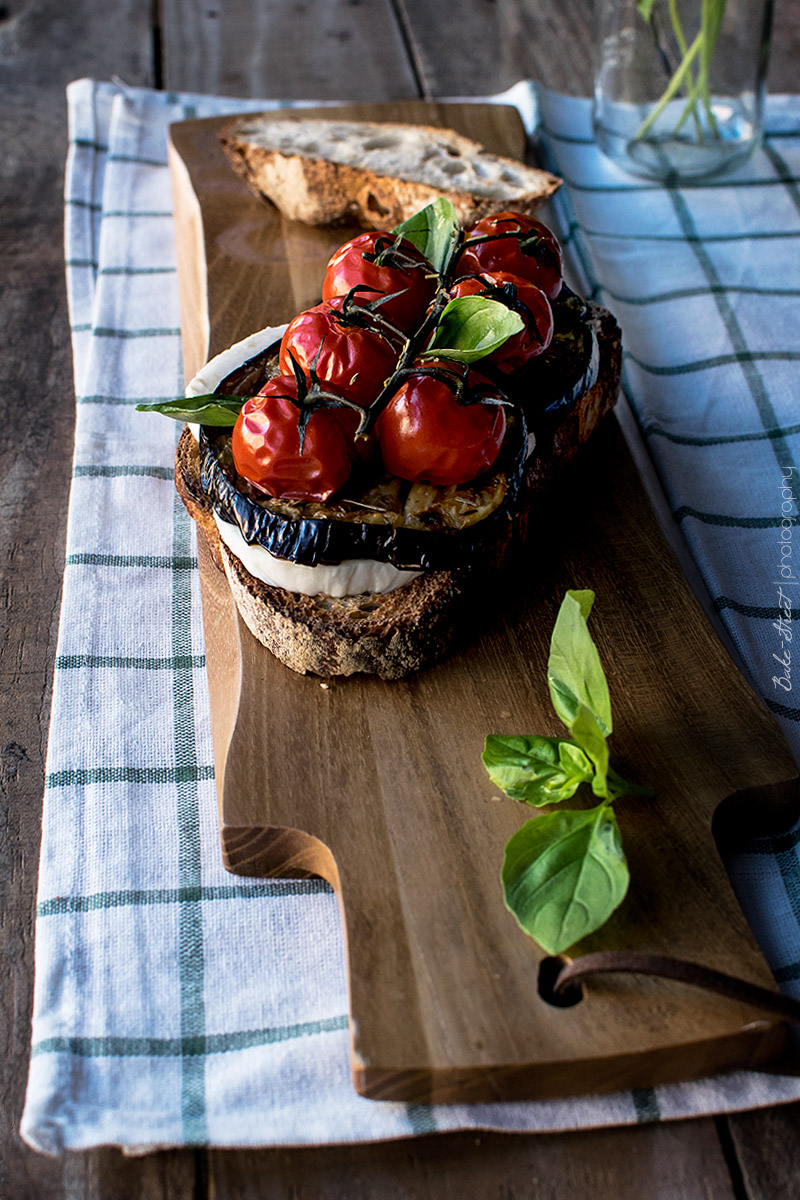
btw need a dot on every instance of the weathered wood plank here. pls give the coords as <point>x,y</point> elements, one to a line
<point>36,379</point>
<point>43,44</point>
<point>318,50</point>
<point>492,45</point>
<point>682,1162</point>
<point>768,1151</point>
<point>107,1174</point>
<point>783,75</point>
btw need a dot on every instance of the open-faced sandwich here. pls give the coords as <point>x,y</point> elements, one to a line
<point>360,471</point>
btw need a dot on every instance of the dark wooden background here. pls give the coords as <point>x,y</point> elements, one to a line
<point>322,49</point>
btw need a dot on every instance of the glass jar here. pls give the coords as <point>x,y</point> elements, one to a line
<point>679,87</point>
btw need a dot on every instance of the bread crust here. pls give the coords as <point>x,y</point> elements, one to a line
<point>318,191</point>
<point>394,634</point>
<point>563,439</point>
<point>389,635</point>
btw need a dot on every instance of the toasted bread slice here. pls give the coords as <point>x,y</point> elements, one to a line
<point>393,634</point>
<point>378,174</point>
<point>388,634</point>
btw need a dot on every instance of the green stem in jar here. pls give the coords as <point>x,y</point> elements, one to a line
<point>673,87</point>
<point>683,46</point>
<point>695,56</point>
<point>711,19</point>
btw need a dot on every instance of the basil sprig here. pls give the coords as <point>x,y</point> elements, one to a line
<point>565,872</point>
<point>435,232</point>
<point>471,327</point>
<point>208,409</point>
<point>538,770</point>
<point>468,328</point>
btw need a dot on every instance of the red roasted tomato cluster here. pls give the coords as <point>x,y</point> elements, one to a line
<point>434,421</point>
<point>517,244</point>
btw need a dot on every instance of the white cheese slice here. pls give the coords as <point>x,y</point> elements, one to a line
<point>211,375</point>
<point>352,577</point>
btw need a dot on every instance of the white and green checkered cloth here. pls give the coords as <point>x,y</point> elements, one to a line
<point>174,1003</point>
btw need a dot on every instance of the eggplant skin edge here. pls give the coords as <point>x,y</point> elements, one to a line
<point>313,541</point>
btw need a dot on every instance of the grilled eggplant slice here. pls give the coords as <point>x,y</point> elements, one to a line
<point>413,527</point>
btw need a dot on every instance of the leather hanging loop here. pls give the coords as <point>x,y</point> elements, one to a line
<point>634,962</point>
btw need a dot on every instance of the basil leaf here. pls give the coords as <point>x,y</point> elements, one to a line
<point>472,327</point>
<point>434,231</point>
<point>564,873</point>
<point>538,770</point>
<point>574,672</point>
<point>589,735</point>
<point>208,409</point>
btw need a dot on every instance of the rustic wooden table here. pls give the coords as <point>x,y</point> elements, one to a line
<point>325,49</point>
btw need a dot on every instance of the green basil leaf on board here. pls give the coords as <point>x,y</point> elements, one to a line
<point>208,409</point>
<point>574,671</point>
<point>588,734</point>
<point>565,872</point>
<point>434,231</point>
<point>563,875</point>
<point>472,327</point>
<point>538,770</point>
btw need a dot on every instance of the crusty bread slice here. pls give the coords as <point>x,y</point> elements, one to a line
<point>378,174</point>
<point>394,634</point>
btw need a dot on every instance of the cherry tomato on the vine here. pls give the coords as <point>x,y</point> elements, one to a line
<point>385,265</point>
<point>266,445</point>
<point>517,244</point>
<point>525,298</point>
<point>352,361</point>
<point>426,435</point>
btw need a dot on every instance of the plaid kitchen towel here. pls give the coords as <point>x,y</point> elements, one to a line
<point>175,1004</point>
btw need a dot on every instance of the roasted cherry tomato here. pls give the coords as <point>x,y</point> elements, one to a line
<point>384,265</point>
<point>352,361</point>
<point>517,244</point>
<point>526,299</point>
<point>426,435</point>
<point>266,445</point>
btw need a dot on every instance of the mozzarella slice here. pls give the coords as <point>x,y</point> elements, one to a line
<point>354,576</point>
<point>349,578</point>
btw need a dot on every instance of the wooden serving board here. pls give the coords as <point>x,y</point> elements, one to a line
<point>379,786</point>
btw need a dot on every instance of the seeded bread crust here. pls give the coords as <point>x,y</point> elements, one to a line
<point>317,190</point>
<point>403,631</point>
